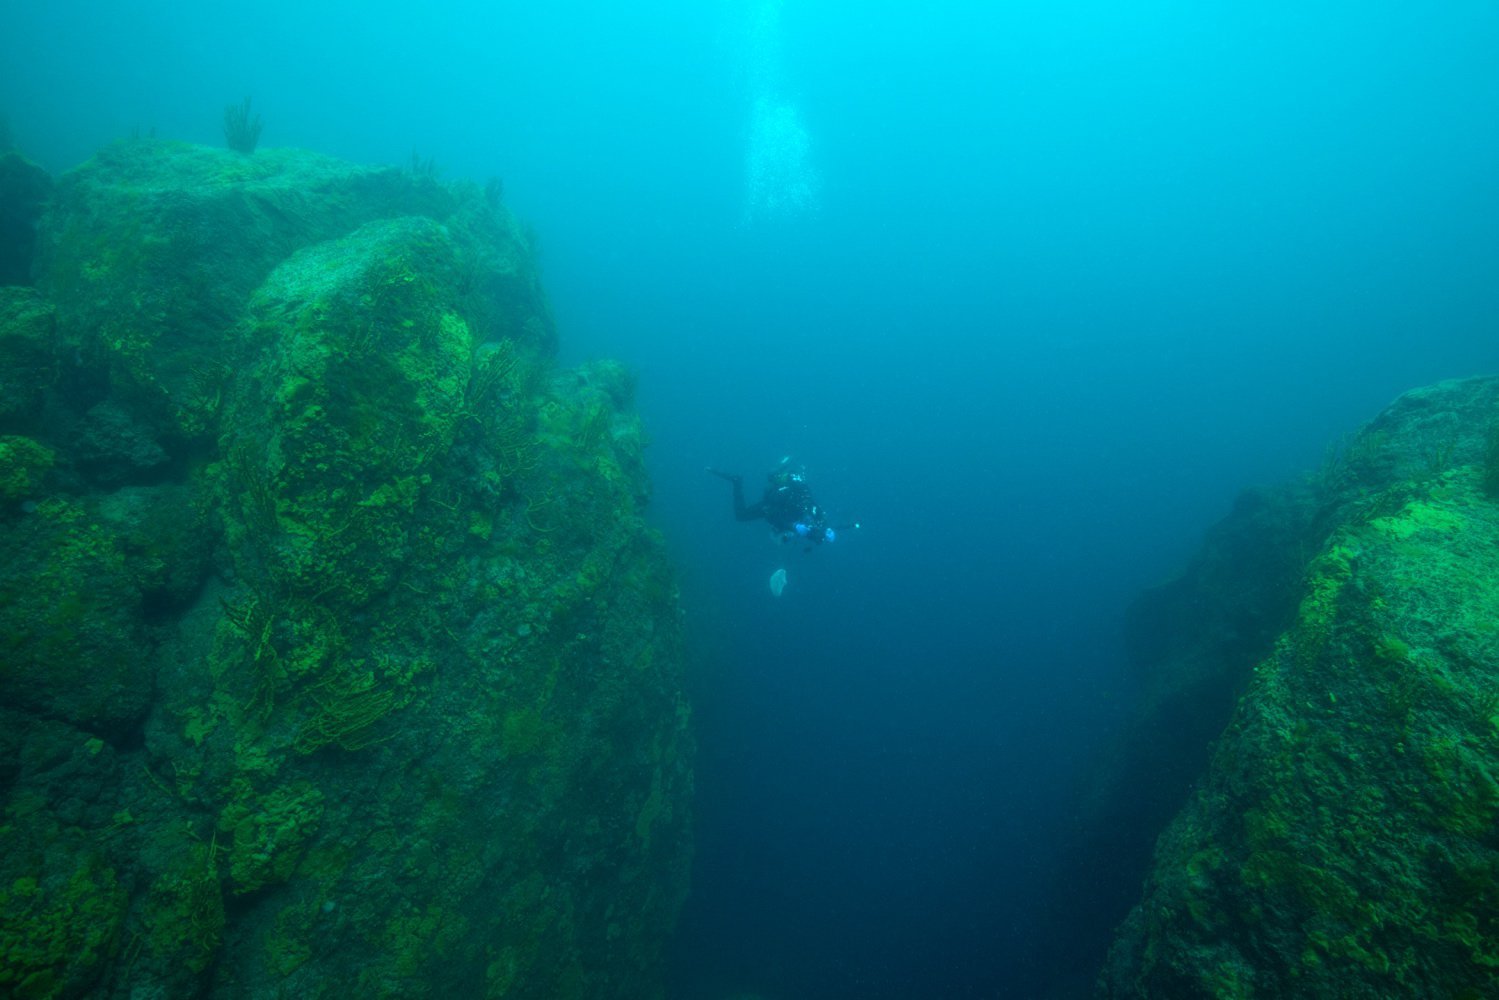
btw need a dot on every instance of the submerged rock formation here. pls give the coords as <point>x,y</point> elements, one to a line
<point>24,189</point>
<point>1344,839</point>
<point>337,657</point>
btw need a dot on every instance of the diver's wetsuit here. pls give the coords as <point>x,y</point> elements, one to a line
<point>741,512</point>
<point>786,503</point>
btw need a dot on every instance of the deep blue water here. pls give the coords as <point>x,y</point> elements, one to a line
<point>1032,290</point>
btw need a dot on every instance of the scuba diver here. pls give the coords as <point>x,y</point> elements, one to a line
<point>787,505</point>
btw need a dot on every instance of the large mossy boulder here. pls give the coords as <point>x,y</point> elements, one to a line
<point>340,658</point>
<point>151,251</point>
<point>1344,839</point>
<point>356,375</point>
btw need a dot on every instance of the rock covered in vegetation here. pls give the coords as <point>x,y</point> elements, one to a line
<point>1345,838</point>
<point>152,251</point>
<point>339,658</point>
<point>28,357</point>
<point>1192,643</point>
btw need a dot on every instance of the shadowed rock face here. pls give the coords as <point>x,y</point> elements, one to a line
<point>338,656</point>
<point>1192,643</point>
<point>24,188</point>
<point>1342,839</point>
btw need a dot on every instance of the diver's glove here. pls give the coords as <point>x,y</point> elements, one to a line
<point>805,531</point>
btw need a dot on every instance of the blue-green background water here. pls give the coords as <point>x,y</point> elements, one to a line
<point>1032,289</point>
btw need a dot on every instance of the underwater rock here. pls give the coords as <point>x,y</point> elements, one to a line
<point>341,657</point>
<point>62,910</point>
<point>24,465</point>
<point>24,188</point>
<point>113,448</point>
<point>151,251</point>
<point>356,408</point>
<point>76,647</point>
<point>1192,644</point>
<point>166,539</point>
<point>1341,841</point>
<point>28,361</point>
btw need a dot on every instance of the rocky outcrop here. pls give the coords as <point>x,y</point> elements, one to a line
<point>1192,644</point>
<point>338,656</point>
<point>1344,837</point>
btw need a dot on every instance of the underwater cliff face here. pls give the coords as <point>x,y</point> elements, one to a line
<point>338,657</point>
<point>1192,644</point>
<point>1344,840</point>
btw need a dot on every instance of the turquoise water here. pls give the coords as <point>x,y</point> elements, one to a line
<point>1032,293</point>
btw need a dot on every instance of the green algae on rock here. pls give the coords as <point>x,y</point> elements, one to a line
<point>76,648</point>
<point>336,631</point>
<point>28,362</point>
<point>152,250</point>
<point>1343,840</point>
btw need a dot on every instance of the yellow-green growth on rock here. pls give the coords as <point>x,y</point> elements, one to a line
<point>339,655</point>
<point>1341,842</point>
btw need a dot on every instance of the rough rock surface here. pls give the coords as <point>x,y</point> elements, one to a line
<point>1344,840</point>
<point>338,658</point>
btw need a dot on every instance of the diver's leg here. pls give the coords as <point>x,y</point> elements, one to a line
<point>741,512</point>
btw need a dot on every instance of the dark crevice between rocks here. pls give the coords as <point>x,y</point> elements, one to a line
<point>24,189</point>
